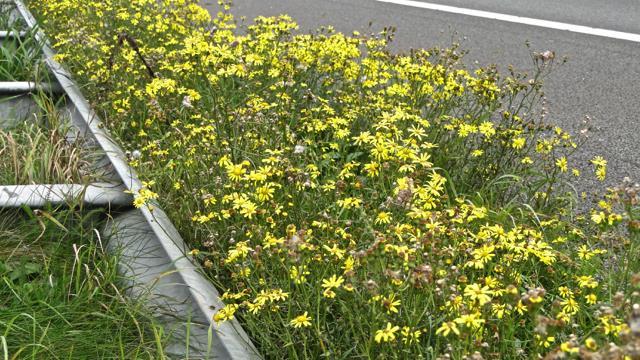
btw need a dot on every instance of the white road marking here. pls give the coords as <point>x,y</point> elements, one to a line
<point>519,20</point>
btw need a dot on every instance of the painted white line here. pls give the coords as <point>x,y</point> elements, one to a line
<point>519,19</point>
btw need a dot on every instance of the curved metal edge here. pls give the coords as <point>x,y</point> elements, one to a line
<point>23,87</point>
<point>151,275</point>
<point>236,342</point>
<point>38,196</point>
<point>12,34</point>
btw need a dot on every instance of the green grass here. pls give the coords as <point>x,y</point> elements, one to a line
<point>60,295</point>
<point>37,150</point>
<point>20,59</point>
<point>6,19</point>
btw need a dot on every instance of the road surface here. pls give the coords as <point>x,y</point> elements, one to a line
<point>601,78</point>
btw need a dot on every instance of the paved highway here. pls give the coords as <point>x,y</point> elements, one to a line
<point>601,78</point>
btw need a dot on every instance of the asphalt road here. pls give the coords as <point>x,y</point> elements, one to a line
<point>601,78</point>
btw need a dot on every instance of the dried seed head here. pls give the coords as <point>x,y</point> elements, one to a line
<point>371,285</point>
<point>548,55</point>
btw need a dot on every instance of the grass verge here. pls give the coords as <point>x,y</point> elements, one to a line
<point>60,294</point>
<point>20,58</point>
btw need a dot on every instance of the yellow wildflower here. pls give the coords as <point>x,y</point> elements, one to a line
<point>391,303</point>
<point>387,334</point>
<point>410,337</point>
<point>235,172</point>
<point>301,321</point>
<point>383,218</point>
<point>476,293</point>
<point>561,163</point>
<point>472,321</point>
<point>446,328</point>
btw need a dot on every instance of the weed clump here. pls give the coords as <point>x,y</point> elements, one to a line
<point>40,149</point>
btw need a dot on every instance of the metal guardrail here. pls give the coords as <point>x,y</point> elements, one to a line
<point>154,253</point>
<point>38,196</point>
<point>12,34</point>
<point>23,87</point>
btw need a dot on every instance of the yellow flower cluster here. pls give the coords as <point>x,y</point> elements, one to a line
<point>410,206</point>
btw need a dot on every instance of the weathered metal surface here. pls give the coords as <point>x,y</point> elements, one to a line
<point>23,87</point>
<point>12,34</point>
<point>39,196</point>
<point>16,109</point>
<point>157,276</point>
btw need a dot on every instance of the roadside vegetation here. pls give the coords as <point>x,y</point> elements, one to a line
<point>59,292</point>
<point>39,149</point>
<point>352,202</point>
<point>20,51</point>
<point>20,57</point>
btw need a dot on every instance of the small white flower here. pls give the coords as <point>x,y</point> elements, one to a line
<point>299,149</point>
<point>186,102</point>
<point>136,154</point>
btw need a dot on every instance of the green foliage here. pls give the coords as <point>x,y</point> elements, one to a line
<point>60,295</point>
<point>20,57</point>
<point>38,149</point>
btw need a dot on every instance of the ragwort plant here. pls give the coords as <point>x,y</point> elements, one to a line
<point>351,202</point>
